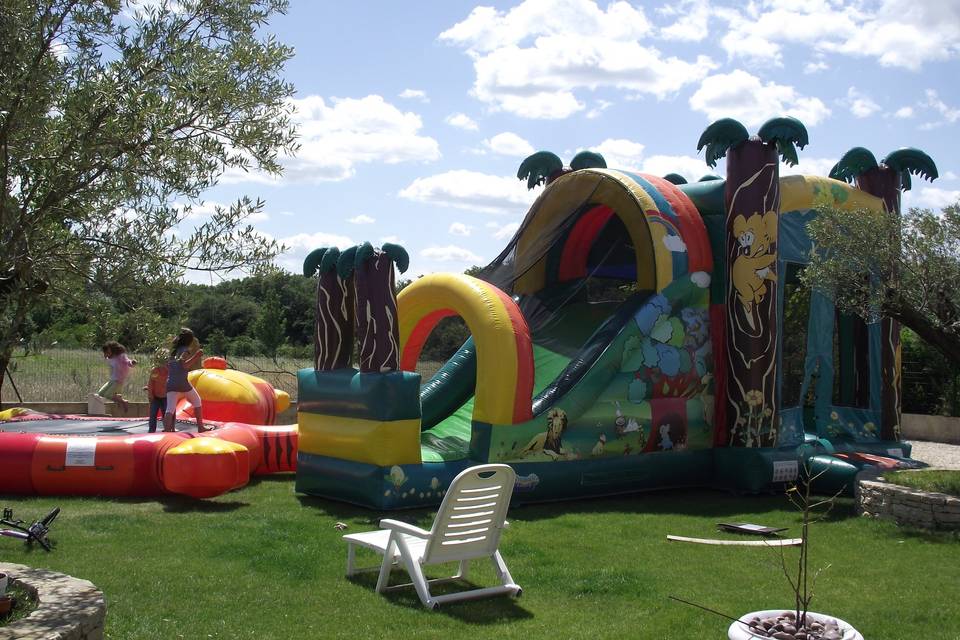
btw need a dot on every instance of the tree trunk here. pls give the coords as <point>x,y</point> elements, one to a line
<point>378,331</point>
<point>752,203</point>
<point>333,327</point>
<point>947,343</point>
<point>884,183</point>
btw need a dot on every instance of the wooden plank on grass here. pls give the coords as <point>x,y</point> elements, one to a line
<point>788,542</point>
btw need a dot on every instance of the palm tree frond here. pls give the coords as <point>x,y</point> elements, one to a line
<point>787,129</point>
<point>536,168</point>
<point>312,261</point>
<point>709,177</point>
<point>853,163</point>
<point>588,160</point>
<point>720,136</point>
<point>345,263</point>
<point>364,252</point>
<point>398,254</point>
<point>675,178</point>
<point>788,152</point>
<point>911,160</point>
<point>329,260</point>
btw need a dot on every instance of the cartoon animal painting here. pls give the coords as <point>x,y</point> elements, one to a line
<point>754,263</point>
<point>671,433</point>
<point>548,442</point>
<point>598,448</point>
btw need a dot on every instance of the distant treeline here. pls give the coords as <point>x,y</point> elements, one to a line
<point>266,314</point>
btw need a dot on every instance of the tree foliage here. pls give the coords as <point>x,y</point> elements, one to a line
<point>877,263</point>
<point>115,116</point>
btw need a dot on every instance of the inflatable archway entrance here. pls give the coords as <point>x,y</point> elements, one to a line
<point>665,229</point>
<point>504,351</point>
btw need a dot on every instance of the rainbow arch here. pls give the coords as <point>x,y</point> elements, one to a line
<point>666,230</point>
<point>504,348</point>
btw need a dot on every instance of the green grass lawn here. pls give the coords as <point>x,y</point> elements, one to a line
<point>936,480</point>
<point>263,563</point>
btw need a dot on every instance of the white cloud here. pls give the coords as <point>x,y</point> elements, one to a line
<point>531,60</point>
<point>471,190</point>
<point>689,167</point>
<point>417,94</point>
<point>509,144</point>
<point>460,229</point>
<point>450,253</point>
<point>948,114</point>
<point>809,166</point>
<point>815,67</point>
<point>461,121</point>
<point>391,239</point>
<point>599,108</point>
<point>860,104</point>
<point>691,21</point>
<point>901,33</point>
<point>932,197</point>
<point>904,112</point>
<point>336,137</point>
<point>311,241</point>
<point>620,153</point>
<point>361,219</point>
<point>948,175</point>
<point>504,232</point>
<point>745,97</point>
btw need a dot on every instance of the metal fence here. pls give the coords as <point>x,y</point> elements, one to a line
<point>70,375</point>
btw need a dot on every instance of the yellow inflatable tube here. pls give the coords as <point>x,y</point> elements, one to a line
<point>501,335</point>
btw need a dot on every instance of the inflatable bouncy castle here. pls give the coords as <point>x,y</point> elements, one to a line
<point>86,455</point>
<point>630,336</point>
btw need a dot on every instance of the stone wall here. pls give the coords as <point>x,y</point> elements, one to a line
<point>68,608</point>
<point>933,428</point>
<point>909,507</point>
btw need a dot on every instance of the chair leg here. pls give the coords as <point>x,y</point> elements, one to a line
<point>386,566</point>
<point>350,559</point>
<point>416,574</point>
<point>501,568</point>
<point>464,570</point>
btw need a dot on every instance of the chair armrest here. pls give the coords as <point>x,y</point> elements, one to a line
<point>403,527</point>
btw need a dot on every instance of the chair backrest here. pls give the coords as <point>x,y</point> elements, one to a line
<point>472,514</point>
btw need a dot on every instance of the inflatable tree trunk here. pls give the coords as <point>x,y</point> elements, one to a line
<point>333,323</point>
<point>333,329</point>
<point>752,203</point>
<point>885,183</point>
<point>377,329</point>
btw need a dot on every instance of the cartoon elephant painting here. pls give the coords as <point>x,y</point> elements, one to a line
<point>754,263</point>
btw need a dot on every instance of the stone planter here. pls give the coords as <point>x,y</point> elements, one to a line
<point>737,631</point>
<point>908,507</point>
<point>67,608</point>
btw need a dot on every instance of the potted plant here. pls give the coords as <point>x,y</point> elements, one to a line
<point>797,623</point>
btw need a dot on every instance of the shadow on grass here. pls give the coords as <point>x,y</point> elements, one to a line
<point>692,502</point>
<point>185,504</point>
<point>895,531</point>
<point>689,502</point>
<point>487,611</point>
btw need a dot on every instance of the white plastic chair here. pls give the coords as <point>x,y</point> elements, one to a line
<point>467,527</point>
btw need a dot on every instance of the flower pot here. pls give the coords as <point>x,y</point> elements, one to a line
<point>6,603</point>
<point>738,631</point>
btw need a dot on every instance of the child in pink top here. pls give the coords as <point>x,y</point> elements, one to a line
<point>120,365</point>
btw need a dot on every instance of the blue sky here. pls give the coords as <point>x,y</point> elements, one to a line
<point>414,116</point>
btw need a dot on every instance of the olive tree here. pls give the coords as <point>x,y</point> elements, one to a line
<point>115,117</point>
<point>877,263</point>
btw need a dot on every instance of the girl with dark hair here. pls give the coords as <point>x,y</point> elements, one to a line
<point>184,354</point>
